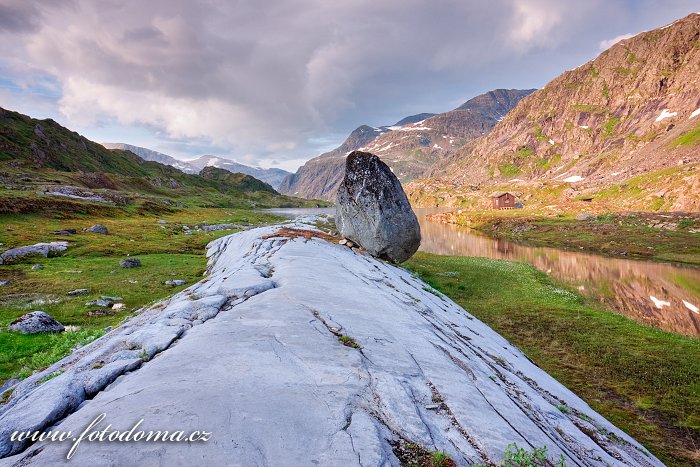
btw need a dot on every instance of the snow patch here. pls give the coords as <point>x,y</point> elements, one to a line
<point>695,113</point>
<point>573,179</point>
<point>665,114</point>
<point>691,307</point>
<point>436,146</point>
<point>585,127</point>
<point>551,141</point>
<point>659,303</point>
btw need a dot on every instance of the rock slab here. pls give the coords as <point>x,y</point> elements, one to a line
<point>40,249</point>
<point>35,322</point>
<point>373,211</point>
<point>253,354</point>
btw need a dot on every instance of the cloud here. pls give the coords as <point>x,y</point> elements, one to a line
<point>606,44</point>
<point>272,80</point>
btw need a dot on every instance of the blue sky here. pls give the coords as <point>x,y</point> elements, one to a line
<point>275,83</point>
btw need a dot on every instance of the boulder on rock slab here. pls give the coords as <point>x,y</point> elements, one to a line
<point>40,249</point>
<point>35,322</point>
<point>373,211</point>
<point>130,263</point>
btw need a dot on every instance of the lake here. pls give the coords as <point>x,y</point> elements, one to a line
<point>663,295</point>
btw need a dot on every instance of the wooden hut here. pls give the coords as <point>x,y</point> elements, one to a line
<point>503,200</point>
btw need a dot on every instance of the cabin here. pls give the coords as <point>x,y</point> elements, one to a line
<point>503,201</point>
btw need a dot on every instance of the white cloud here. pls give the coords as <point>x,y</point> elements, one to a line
<point>606,44</point>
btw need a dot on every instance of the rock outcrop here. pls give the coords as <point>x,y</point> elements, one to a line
<point>40,249</point>
<point>35,322</point>
<point>372,210</point>
<point>98,229</point>
<point>299,351</point>
<point>130,263</point>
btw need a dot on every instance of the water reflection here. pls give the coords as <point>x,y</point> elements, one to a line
<point>662,295</point>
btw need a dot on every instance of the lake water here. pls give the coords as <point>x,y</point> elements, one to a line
<point>663,295</point>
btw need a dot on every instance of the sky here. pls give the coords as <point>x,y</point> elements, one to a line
<point>274,83</point>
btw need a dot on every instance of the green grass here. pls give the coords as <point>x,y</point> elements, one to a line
<point>644,380</point>
<point>92,262</point>
<point>688,139</point>
<point>509,170</point>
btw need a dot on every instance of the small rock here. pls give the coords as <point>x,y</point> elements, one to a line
<point>175,282</point>
<point>584,217</point>
<point>98,229</point>
<point>111,299</point>
<point>349,244</point>
<point>162,221</point>
<point>35,322</point>
<point>65,233</point>
<point>4,283</point>
<point>118,306</point>
<point>343,241</point>
<point>131,281</point>
<point>36,267</point>
<point>130,263</point>
<point>108,328</point>
<point>79,292</point>
<point>100,312</point>
<point>103,303</point>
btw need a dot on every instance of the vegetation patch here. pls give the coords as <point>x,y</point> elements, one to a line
<point>509,170</point>
<point>307,234</point>
<point>415,455</point>
<point>688,139</point>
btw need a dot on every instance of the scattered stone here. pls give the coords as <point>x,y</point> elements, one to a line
<point>349,244</point>
<point>79,292</point>
<point>176,282</point>
<point>343,241</point>
<point>108,328</point>
<point>211,228</point>
<point>112,299</point>
<point>130,263</point>
<point>40,249</point>
<point>131,281</point>
<point>36,267</point>
<point>100,312</point>
<point>118,306</point>
<point>585,217</point>
<point>372,209</point>
<point>35,322</point>
<point>103,303</point>
<point>162,221</point>
<point>4,283</point>
<point>65,233</point>
<point>98,229</point>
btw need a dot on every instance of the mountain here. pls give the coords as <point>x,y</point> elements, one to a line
<point>410,147</point>
<point>237,181</point>
<point>155,156</point>
<point>271,176</point>
<point>44,166</point>
<point>622,130</point>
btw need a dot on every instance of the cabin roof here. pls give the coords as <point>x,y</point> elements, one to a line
<point>498,194</point>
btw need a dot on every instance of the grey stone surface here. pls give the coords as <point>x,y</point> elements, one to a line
<point>584,217</point>
<point>102,303</point>
<point>175,282</point>
<point>251,354</point>
<point>111,299</point>
<point>130,263</point>
<point>40,249</point>
<point>4,283</point>
<point>36,267</point>
<point>35,322</point>
<point>372,209</point>
<point>79,292</point>
<point>98,229</point>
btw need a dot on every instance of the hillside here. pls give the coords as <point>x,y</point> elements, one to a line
<point>410,147</point>
<point>621,131</point>
<point>237,181</point>
<point>271,176</point>
<point>46,166</point>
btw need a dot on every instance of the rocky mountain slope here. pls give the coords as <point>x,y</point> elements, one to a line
<point>623,128</point>
<point>271,176</point>
<point>409,147</point>
<point>43,164</point>
<point>310,365</point>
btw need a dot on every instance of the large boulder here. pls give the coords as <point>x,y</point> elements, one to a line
<point>40,249</point>
<point>98,229</point>
<point>372,209</point>
<point>130,263</point>
<point>35,322</point>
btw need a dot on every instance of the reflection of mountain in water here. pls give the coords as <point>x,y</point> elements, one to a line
<point>653,293</point>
